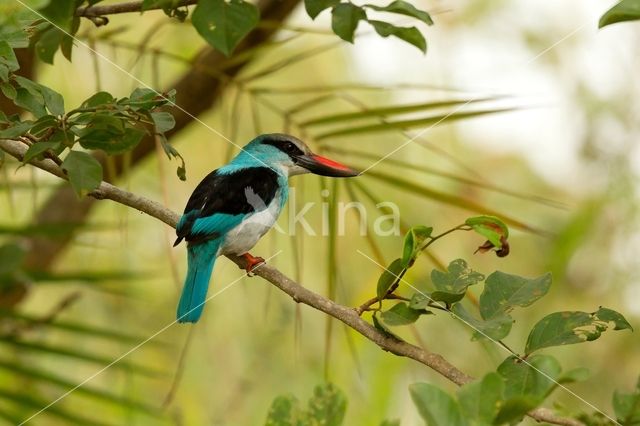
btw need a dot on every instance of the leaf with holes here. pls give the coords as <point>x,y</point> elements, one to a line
<point>224,24</point>
<point>566,328</point>
<point>84,172</point>
<point>503,292</point>
<point>451,286</point>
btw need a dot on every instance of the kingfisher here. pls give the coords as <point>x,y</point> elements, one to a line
<point>235,205</point>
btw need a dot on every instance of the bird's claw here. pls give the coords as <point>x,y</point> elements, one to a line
<point>252,263</point>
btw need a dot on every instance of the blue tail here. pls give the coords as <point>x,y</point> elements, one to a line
<point>200,261</point>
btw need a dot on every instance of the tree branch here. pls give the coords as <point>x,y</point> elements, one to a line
<point>298,293</point>
<point>126,7</point>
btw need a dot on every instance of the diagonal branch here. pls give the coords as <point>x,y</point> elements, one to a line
<point>298,293</point>
<point>125,7</point>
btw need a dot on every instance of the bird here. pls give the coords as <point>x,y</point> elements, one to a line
<point>235,205</point>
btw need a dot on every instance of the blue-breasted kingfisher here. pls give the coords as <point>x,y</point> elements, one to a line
<point>235,205</point>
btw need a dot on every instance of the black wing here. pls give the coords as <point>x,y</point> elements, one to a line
<point>225,193</point>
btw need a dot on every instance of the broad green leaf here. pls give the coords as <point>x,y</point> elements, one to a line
<point>11,258</point>
<point>381,327</point>
<point>503,292</point>
<point>48,43</point>
<point>534,378</point>
<point>163,121</point>
<point>409,34</point>
<point>30,102</point>
<point>345,18</point>
<point>402,314</point>
<point>100,98</point>
<point>327,406</point>
<point>314,7</point>
<point>388,277</point>
<point>436,407</point>
<point>284,411</point>
<point>627,406</point>
<point>481,400</point>
<point>495,328</point>
<point>43,124</point>
<point>8,90</point>
<point>84,172</point>
<point>8,57</point>
<point>625,10</point>
<point>37,149</point>
<point>514,409</point>
<point>53,100</point>
<point>413,241</point>
<point>451,286</point>
<point>419,301</point>
<point>224,24</point>
<point>16,130</point>
<point>566,328</point>
<point>403,8</point>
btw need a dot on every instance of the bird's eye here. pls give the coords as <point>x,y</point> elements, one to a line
<point>289,146</point>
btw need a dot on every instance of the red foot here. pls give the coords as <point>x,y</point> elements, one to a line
<point>252,262</point>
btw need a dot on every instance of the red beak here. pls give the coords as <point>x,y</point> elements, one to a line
<point>325,167</point>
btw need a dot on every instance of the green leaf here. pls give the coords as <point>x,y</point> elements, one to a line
<point>436,407</point>
<point>413,241</point>
<point>100,98</point>
<point>16,130</point>
<point>409,34</point>
<point>502,292</point>
<point>403,8</point>
<point>53,100</point>
<point>8,57</point>
<point>284,411</point>
<point>8,90</point>
<point>482,399</point>
<point>345,18</point>
<point>625,10</point>
<point>402,314</point>
<point>49,41</point>
<point>314,7</point>
<point>163,121</point>
<point>514,409</point>
<point>43,124</point>
<point>495,328</point>
<point>451,286</point>
<point>534,378</point>
<point>11,258</point>
<point>382,328</point>
<point>627,406</point>
<point>327,406</point>
<point>37,149</point>
<point>566,328</point>
<point>224,24</point>
<point>490,227</point>
<point>84,172</point>
<point>110,141</point>
<point>388,277</point>
<point>30,102</point>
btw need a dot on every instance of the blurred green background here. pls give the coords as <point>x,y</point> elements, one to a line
<point>565,161</point>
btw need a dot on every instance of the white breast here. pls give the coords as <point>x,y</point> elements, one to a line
<point>243,237</point>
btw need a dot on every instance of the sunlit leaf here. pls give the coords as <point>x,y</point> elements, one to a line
<point>327,406</point>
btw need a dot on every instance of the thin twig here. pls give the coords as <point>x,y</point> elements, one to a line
<point>297,292</point>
